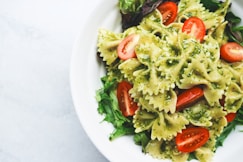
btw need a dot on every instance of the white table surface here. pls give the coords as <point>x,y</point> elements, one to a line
<point>38,122</point>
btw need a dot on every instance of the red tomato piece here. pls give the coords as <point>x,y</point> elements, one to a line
<point>126,104</point>
<point>188,97</point>
<point>195,27</point>
<point>230,117</point>
<point>126,49</point>
<point>231,52</point>
<point>191,138</point>
<point>168,11</point>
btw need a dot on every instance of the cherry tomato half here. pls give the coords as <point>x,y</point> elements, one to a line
<point>230,117</point>
<point>195,27</point>
<point>188,97</point>
<point>168,11</point>
<point>191,138</point>
<point>126,49</point>
<point>126,104</point>
<point>231,52</point>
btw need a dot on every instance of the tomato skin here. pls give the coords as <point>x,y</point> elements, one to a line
<point>188,97</point>
<point>126,104</point>
<point>230,117</point>
<point>231,52</point>
<point>195,27</point>
<point>168,11</point>
<point>126,49</point>
<point>191,138</point>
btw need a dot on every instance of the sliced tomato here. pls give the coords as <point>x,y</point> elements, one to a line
<point>188,97</point>
<point>195,27</point>
<point>231,52</point>
<point>126,49</point>
<point>168,11</point>
<point>230,117</point>
<point>126,104</point>
<point>191,138</point>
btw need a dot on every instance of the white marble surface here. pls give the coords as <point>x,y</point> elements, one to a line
<point>38,122</point>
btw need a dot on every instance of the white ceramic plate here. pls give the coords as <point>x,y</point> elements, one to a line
<point>86,71</point>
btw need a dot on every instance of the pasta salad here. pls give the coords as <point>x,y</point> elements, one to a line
<point>174,81</point>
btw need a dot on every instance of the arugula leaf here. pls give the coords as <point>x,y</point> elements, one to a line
<point>108,106</point>
<point>126,129</point>
<point>227,130</point>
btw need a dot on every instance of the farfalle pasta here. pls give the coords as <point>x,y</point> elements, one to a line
<point>167,59</point>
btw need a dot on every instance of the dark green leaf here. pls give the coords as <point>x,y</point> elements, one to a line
<point>232,18</point>
<point>227,130</point>
<point>142,139</point>
<point>234,32</point>
<point>211,5</point>
<point>192,156</point>
<point>121,131</point>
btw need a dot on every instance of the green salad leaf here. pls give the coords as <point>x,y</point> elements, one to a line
<point>212,5</point>
<point>142,139</point>
<point>234,30</point>
<point>130,6</point>
<point>108,106</point>
<point>133,11</point>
